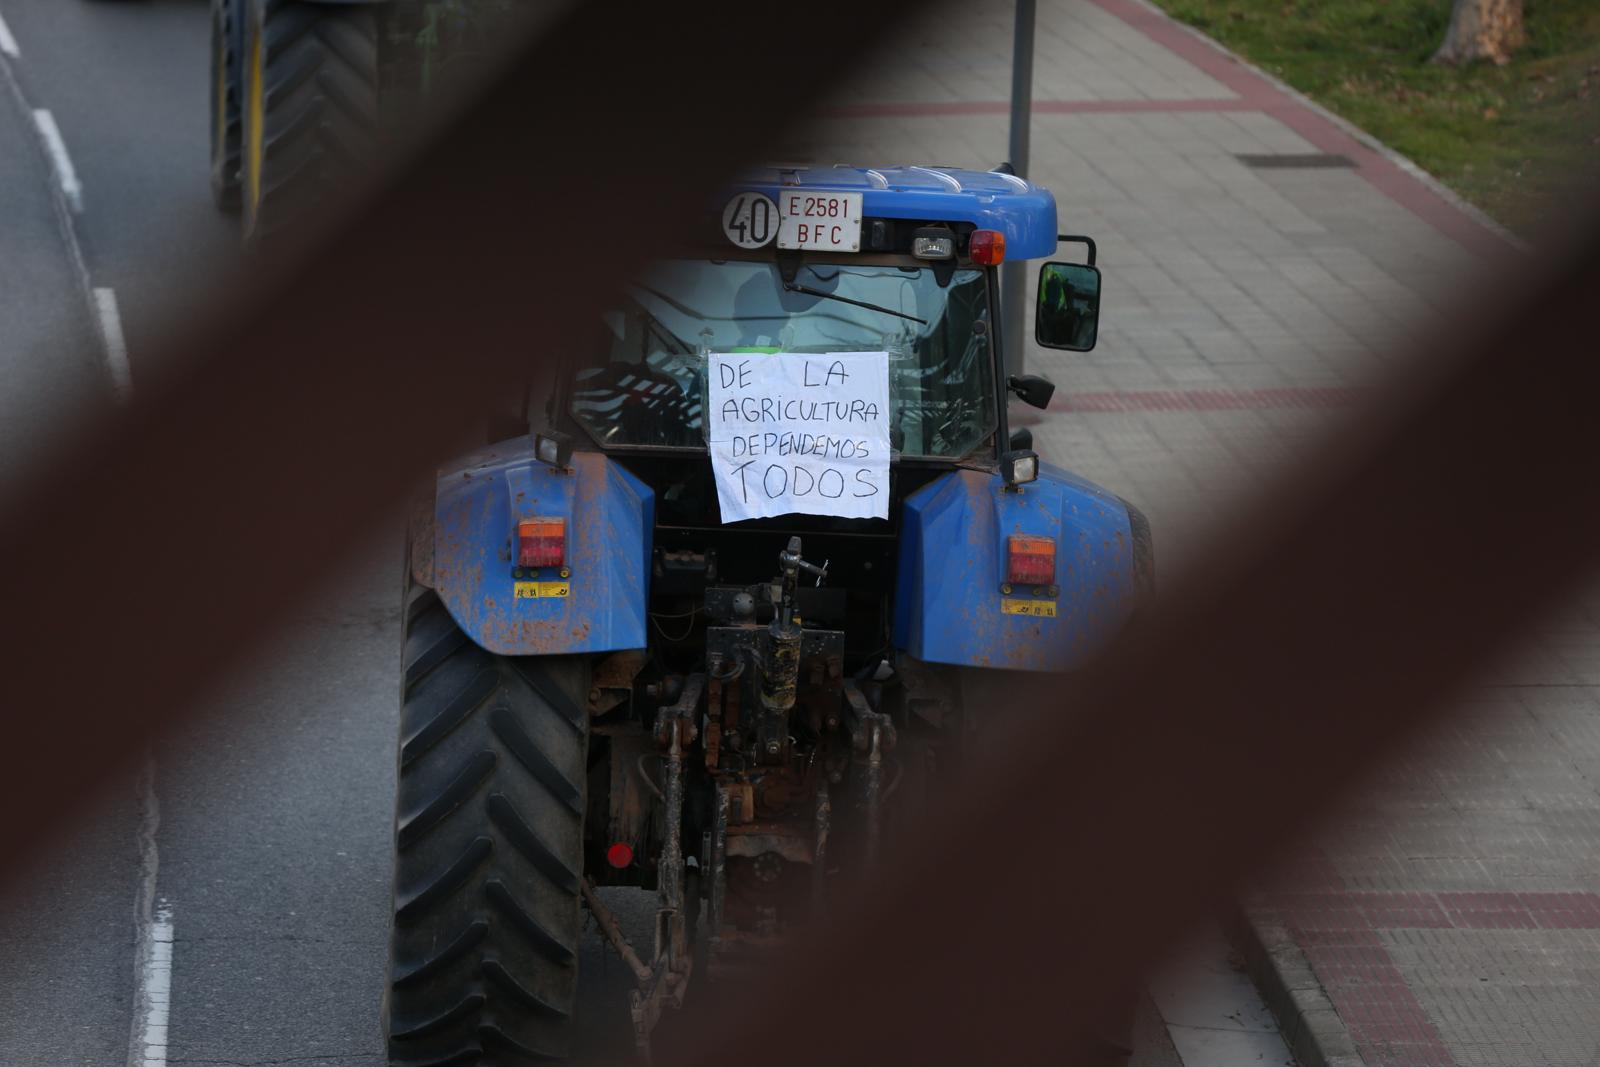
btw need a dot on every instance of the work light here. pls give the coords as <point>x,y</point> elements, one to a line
<point>933,242</point>
<point>552,448</point>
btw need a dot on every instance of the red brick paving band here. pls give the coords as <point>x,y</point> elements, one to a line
<point>1338,932</point>
<point>946,108</point>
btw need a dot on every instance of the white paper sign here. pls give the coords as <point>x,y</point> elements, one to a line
<point>800,432</point>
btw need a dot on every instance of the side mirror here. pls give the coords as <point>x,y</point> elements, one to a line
<point>1031,389</point>
<point>1022,440</point>
<point>1068,313</point>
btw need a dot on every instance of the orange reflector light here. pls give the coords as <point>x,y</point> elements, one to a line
<point>987,247</point>
<point>1030,560</point>
<point>619,855</point>
<point>541,542</point>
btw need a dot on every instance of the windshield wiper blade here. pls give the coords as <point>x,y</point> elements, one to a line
<point>808,291</point>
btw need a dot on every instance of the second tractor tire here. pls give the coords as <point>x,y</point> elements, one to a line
<point>309,109</point>
<point>227,51</point>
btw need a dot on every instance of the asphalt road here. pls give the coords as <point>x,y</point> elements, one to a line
<point>258,839</point>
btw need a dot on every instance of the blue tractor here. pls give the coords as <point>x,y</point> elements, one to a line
<point>720,623</point>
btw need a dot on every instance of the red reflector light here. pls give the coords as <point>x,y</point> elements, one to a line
<point>620,855</point>
<point>987,247</point>
<point>541,542</point>
<point>1030,560</point>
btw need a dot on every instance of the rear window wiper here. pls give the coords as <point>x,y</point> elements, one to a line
<point>808,291</point>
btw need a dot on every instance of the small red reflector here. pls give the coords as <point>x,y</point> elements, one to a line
<point>1030,560</point>
<point>987,247</point>
<point>541,542</point>
<point>620,855</point>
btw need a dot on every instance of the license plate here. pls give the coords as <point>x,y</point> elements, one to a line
<point>1044,609</point>
<point>819,222</point>
<point>538,590</point>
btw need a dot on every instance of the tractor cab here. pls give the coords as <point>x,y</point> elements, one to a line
<point>812,261</point>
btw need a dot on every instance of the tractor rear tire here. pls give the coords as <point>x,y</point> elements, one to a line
<point>310,118</point>
<point>489,849</point>
<point>227,51</point>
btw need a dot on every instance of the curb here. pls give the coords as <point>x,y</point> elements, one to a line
<point>1310,1024</point>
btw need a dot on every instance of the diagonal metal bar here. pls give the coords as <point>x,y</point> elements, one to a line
<point>1330,623</point>
<point>166,541</point>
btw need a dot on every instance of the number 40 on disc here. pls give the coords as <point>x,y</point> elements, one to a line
<point>750,220</point>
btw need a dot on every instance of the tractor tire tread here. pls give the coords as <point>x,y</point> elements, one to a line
<point>453,709</point>
<point>463,944</point>
<point>489,849</point>
<point>320,109</point>
<point>456,792</point>
<point>440,885</point>
<point>227,151</point>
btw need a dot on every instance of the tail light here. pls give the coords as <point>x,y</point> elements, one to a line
<point>1030,560</point>
<point>987,247</point>
<point>542,543</point>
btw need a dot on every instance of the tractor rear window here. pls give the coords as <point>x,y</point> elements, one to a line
<point>645,384</point>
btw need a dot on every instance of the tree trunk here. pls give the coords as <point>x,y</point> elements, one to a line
<point>1482,29</point>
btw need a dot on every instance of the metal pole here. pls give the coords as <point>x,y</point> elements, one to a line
<point>1014,275</point>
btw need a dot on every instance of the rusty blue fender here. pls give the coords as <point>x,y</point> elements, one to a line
<point>951,595</point>
<point>610,518</point>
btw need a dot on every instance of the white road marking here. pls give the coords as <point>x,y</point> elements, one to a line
<point>8,43</point>
<point>71,188</point>
<point>152,995</point>
<point>116,346</point>
<point>158,989</point>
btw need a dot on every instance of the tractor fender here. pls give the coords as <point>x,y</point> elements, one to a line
<point>598,606</point>
<point>951,591</point>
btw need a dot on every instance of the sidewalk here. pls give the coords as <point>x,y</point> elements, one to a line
<point>1252,278</point>
<point>1261,262</point>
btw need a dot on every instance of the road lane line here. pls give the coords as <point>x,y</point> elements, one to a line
<point>153,925</point>
<point>116,346</point>
<point>158,989</point>
<point>71,188</point>
<point>152,994</point>
<point>8,43</point>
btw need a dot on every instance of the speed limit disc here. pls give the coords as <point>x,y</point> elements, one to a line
<point>750,220</point>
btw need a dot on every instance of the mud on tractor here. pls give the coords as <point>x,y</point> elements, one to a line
<point>714,626</point>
